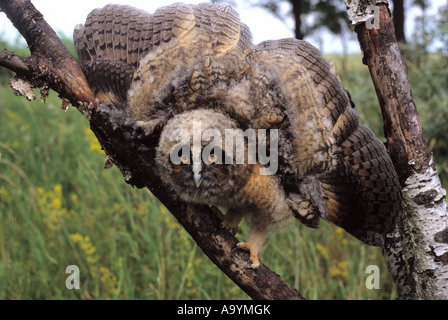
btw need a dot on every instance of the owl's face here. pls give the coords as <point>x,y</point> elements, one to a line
<point>196,162</point>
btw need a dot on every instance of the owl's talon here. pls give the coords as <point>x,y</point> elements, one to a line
<point>231,220</point>
<point>229,226</point>
<point>253,253</point>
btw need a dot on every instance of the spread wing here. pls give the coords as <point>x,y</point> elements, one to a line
<point>110,45</point>
<point>357,186</point>
<point>119,45</point>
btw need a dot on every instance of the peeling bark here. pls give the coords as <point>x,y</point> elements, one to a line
<point>21,87</point>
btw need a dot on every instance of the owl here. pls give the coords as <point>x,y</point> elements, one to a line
<point>263,132</point>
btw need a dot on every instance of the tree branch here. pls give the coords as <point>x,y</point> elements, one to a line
<point>132,152</point>
<point>50,62</point>
<point>402,126</point>
<point>13,62</point>
<point>414,253</point>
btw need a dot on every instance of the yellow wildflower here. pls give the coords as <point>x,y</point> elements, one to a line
<point>57,189</point>
<point>76,237</point>
<point>4,195</point>
<point>109,281</point>
<point>163,209</point>
<point>117,206</point>
<point>50,206</point>
<point>92,140</point>
<point>14,117</point>
<point>339,268</point>
<point>323,251</point>
<point>40,191</point>
<point>86,246</point>
<point>57,203</point>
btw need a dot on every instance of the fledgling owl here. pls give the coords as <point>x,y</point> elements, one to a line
<point>264,132</point>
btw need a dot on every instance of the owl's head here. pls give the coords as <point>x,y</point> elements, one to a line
<point>199,160</point>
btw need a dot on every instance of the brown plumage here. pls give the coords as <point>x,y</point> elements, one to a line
<point>190,69</point>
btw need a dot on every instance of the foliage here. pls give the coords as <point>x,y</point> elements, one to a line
<point>314,14</point>
<point>442,29</point>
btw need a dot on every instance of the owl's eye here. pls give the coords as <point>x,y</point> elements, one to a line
<point>184,159</point>
<point>212,158</point>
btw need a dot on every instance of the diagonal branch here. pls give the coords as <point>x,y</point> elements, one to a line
<point>52,64</point>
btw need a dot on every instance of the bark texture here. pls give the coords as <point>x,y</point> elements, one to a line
<point>52,66</point>
<point>417,251</point>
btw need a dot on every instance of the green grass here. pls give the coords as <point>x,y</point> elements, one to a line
<point>59,207</point>
<point>356,78</point>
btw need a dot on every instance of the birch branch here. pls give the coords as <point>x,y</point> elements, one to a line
<point>417,252</point>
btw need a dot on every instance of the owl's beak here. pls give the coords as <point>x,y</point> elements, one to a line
<point>197,168</point>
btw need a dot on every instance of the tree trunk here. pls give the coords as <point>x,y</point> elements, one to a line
<point>417,252</point>
<point>398,18</point>
<point>51,65</point>
<point>297,7</point>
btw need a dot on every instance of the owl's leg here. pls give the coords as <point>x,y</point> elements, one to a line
<point>254,244</point>
<point>232,219</point>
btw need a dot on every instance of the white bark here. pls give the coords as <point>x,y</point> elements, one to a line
<point>424,234</point>
<point>395,260</point>
<point>358,12</point>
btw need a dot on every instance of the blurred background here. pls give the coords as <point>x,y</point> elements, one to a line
<point>59,207</point>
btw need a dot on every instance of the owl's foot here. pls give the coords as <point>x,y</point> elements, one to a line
<point>304,210</point>
<point>254,243</point>
<point>231,220</point>
<point>253,250</point>
<point>229,226</point>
